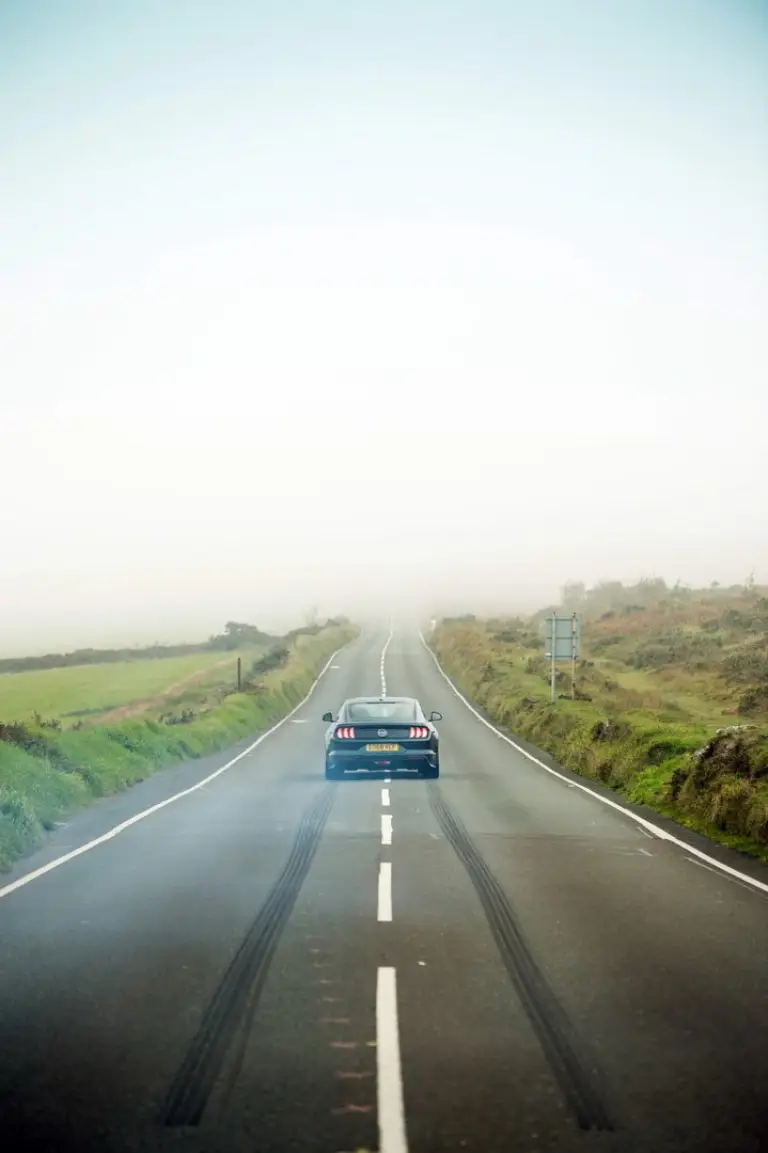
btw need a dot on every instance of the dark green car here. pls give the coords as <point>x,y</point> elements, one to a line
<point>382,736</point>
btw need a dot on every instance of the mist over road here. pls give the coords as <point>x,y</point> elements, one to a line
<point>495,961</point>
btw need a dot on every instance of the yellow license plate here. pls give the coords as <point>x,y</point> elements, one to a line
<point>382,748</point>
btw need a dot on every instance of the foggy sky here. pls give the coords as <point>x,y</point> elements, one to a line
<point>377,305</point>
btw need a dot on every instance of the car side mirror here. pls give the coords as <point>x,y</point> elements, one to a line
<point>435,716</point>
<point>328,718</point>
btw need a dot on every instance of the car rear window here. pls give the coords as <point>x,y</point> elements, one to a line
<point>374,711</point>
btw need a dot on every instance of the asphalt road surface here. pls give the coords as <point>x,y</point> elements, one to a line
<point>498,961</point>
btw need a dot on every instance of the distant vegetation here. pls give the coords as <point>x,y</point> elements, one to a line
<point>235,636</point>
<point>672,696</point>
<point>93,685</point>
<point>49,766</point>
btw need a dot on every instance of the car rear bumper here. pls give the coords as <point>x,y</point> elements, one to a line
<point>361,762</point>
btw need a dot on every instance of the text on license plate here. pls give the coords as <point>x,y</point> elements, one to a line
<point>382,748</point>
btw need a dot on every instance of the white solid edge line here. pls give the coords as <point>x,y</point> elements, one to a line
<point>642,821</point>
<point>385,798</point>
<point>703,865</point>
<point>392,1134</point>
<point>386,829</point>
<point>114,832</point>
<point>384,904</point>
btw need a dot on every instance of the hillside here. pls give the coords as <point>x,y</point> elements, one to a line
<point>671,703</point>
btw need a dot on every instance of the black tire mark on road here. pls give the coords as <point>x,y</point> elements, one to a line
<point>236,997</point>
<point>555,1032</point>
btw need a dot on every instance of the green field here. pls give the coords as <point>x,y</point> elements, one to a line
<point>91,691</point>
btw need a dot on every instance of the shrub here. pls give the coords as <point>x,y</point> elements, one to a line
<point>754,701</point>
<point>274,659</point>
<point>748,665</point>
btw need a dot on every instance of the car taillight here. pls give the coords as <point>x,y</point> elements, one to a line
<point>345,734</point>
<point>418,732</point>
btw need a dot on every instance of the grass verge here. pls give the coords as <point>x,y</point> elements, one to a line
<point>711,779</point>
<point>46,772</point>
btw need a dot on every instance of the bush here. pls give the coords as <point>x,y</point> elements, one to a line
<point>754,701</point>
<point>609,731</point>
<point>652,656</point>
<point>537,666</point>
<point>748,665</point>
<point>694,650</point>
<point>182,718</point>
<point>274,659</point>
<point>603,643</point>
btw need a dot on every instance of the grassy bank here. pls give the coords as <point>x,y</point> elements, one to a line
<point>671,707</point>
<point>47,771</point>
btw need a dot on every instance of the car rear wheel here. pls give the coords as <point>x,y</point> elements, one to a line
<point>431,774</point>
<point>332,774</point>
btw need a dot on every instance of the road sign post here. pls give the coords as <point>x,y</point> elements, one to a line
<point>573,657</point>
<point>563,636</point>
<point>554,648</point>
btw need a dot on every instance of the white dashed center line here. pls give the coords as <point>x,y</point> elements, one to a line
<point>385,891</point>
<point>392,1134</point>
<point>391,1111</point>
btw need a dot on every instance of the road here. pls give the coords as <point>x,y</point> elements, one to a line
<point>496,962</point>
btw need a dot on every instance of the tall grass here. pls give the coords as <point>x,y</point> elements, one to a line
<point>664,752</point>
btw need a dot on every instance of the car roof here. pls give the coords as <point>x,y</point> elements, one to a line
<point>380,700</point>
